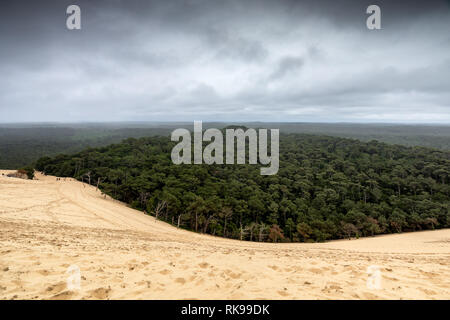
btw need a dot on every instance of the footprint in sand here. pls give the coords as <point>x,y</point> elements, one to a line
<point>43,272</point>
<point>66,295</point>
<point>100,293</point>
<point>233,275</point>
<point>165,272</point>
<point>60,286</point>
<point>428,291</point>
<point>283,293</point>
<point>144,283</point>
<point>316,270</point>
<point>180,280</point>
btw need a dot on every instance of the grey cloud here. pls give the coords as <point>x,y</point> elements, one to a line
<point>231,60</point>
<point>287,65</point>
<point>241,49</point>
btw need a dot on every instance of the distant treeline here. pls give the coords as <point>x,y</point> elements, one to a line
<point>432,136</point>
<point>326,188</point>
<point>22,144</point>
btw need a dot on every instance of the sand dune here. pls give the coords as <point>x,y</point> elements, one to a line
<point>47,226</point>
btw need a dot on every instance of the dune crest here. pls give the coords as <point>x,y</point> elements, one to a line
<point>48,225</point>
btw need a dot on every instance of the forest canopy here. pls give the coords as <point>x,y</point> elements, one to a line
<point>326,188</point>
<point>22,144</point>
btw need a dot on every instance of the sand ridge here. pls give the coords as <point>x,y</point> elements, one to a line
<point>48,225</point>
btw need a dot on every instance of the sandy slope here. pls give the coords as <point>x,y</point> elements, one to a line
<point>48,225</point>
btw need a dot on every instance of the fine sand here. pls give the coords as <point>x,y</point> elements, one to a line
<point>49,225</point>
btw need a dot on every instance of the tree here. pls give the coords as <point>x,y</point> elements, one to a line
<point>159,209</point>
<point>226,214</point>
<point>275,233</point>
<point>349,230</point>
<point>28,171</point>
<point>304,230</point>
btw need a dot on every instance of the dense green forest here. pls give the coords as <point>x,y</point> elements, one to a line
<point>22,144</point>
<point>326,188</point>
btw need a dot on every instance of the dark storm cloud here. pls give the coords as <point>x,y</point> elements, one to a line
<point>225,60</point>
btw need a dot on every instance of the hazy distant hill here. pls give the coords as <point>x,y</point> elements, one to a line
<point>21,146</point>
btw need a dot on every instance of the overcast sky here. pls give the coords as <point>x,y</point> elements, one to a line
<point>224,60</point>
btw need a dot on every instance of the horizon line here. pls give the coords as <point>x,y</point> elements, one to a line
<point>212,121</point>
